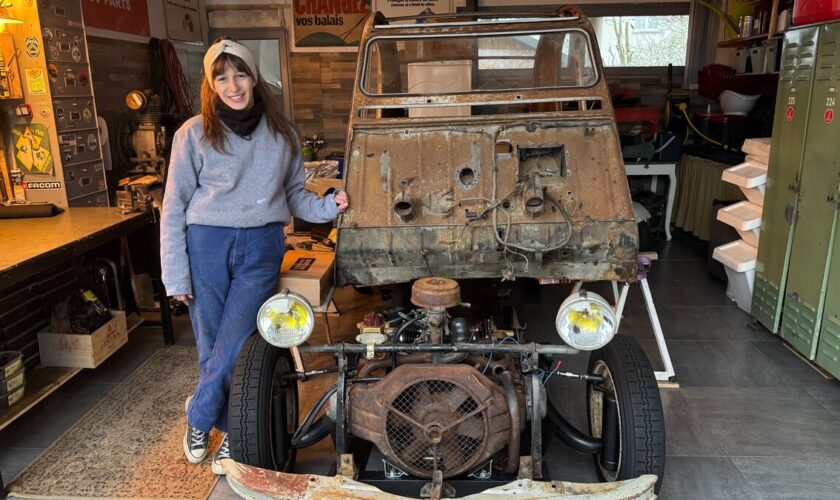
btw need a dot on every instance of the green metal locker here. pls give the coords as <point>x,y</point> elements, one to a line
<point>816,213</point>
<point>828,350</point>
<point>786,152</point>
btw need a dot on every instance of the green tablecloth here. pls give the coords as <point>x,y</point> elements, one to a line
<point>698,185</point>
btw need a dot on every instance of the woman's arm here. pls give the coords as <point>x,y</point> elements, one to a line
<point>180,187</point>
<point>304,204</point>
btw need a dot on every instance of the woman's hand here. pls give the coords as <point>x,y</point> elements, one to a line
<point>186,298</point>
<point>342,200</point>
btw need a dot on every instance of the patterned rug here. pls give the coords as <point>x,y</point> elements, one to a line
<point>129,445</point>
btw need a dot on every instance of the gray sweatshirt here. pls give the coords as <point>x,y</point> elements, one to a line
<point>255,183</point>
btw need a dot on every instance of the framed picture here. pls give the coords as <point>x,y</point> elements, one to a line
<point>182,20</point>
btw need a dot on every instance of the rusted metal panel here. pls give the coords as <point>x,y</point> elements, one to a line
<point>539,194</point>
<point>260,484</point>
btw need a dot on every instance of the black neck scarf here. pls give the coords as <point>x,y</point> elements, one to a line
<point>241,122</point>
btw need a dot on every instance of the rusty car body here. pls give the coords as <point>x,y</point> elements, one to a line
<point>479,148</point>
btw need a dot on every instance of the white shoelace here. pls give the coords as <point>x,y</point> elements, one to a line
<point>224,448</point>
<point>197,438</point>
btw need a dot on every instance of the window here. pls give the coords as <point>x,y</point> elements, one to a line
<point>428,65</point>
<point>628,41</point>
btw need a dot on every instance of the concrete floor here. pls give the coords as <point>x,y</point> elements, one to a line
<point>750,419</point>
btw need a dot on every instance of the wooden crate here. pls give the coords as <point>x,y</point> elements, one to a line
<point>84,351</point>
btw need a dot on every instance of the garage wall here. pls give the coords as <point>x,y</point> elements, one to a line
<point>322,88</point>
<point>117,67</point>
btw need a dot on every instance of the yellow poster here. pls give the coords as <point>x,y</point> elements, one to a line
<point>32,149</point>
<point>35,81</point>
<point>329,23</point>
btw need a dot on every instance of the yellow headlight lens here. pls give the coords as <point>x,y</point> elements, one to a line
<point>586,321</point>
<point>286,320</point>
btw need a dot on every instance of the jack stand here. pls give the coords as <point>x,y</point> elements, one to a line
<point>665,378</point>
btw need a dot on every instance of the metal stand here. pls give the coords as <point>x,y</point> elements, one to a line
<point>620,298</point>
<point>324,309</point>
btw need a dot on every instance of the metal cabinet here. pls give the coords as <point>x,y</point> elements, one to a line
<point>796,78</point>
<point>815,218</point>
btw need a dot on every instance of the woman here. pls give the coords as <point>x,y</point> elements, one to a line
<point>235,179</point>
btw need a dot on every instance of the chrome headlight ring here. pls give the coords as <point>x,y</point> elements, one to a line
<point>586,321</point>
<point>286,320</point>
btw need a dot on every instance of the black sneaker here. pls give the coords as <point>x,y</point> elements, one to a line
<point>222,454</point>
<point>195,444</point>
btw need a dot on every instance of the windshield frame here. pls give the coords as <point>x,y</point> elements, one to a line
<point>596,66</point>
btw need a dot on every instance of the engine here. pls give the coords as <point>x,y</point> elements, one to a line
<point>448,412</point>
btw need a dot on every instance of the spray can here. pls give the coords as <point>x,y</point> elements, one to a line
<point>18,190</point>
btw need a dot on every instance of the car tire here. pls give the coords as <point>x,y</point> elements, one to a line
<point>631,382</point>
<point>258,435</point>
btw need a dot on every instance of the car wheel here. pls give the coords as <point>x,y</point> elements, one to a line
<point>263,407</point>
<point>625,410</point>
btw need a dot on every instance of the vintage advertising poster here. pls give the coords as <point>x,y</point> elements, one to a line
<point>182,20</point>
<point>125,16</point>
<point>32,149</point>
<point>403,8</point>
<point>328,24</point>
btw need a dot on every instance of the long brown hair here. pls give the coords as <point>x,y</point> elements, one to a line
<point>214,132</point>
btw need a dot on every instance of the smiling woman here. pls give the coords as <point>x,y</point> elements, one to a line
<point>235,179</point>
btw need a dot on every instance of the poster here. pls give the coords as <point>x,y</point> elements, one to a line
<point>329,24</point>
<point>182,20</point>
<point>403,8</point>
<point>125,16</point>
<point>35,81</point>
<point>32,149</point>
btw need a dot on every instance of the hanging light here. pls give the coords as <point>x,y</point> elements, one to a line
<point>5,17</point>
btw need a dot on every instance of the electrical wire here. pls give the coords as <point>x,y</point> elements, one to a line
<point>178,87</point>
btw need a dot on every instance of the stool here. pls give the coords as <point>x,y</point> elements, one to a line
<point>620,297</point>
<point>324,309</point>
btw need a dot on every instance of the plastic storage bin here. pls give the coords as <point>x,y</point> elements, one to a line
<point>11,362</point>
<point>738,259</point>
<point>815,11</point>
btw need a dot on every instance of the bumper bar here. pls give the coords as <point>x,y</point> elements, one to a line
<point>260,484</point>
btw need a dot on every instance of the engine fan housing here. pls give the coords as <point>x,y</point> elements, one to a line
<point>432,417</point>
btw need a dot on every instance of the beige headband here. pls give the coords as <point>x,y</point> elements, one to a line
<point>232,48</point>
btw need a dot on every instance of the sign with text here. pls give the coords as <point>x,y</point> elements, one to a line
<point>329,24</point>
<point>125,16</point>
<point>403,8</point>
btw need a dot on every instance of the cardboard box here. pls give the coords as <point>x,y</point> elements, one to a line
<point>308,273</point>
<point>84,351</point>
<point>321,185</point>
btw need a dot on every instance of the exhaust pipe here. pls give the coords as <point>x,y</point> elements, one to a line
<point>534,196</point>
<point>403,207</point>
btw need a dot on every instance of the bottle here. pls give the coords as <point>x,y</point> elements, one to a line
<point>97,304</point>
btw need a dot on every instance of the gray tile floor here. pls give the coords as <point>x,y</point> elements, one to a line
<point>750,419</point>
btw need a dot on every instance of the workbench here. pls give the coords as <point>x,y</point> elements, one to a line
<point>30,246</point>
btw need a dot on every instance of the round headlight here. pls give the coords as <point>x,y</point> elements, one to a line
<point>286,320</point>
<point>586,321</point>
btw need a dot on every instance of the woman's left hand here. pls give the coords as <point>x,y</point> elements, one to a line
<point>342,200</point>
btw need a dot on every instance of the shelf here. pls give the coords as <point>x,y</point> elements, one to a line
<point>748,175</point>
<point>744,216</point>
<point>748,41</point>
<point>737,255</point>
<point>40,383</point>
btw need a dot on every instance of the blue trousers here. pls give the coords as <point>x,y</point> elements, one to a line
<point>233,272</point>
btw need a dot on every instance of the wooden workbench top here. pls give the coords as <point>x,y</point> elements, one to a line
<point>24,240</point>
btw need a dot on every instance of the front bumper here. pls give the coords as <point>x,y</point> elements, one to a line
<point>254,483</point>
